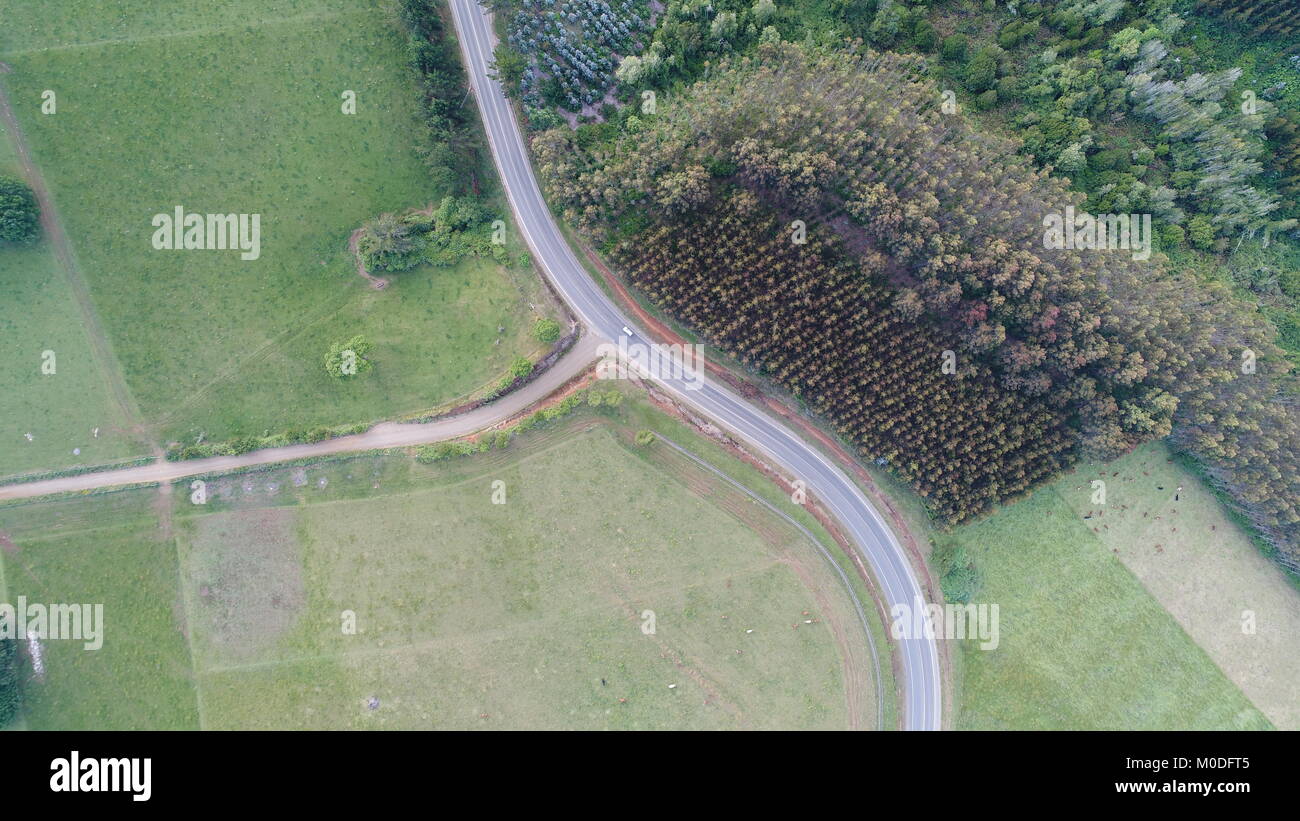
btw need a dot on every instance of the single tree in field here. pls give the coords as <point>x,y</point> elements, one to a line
<point>19,212</point>
<point>347,359</point>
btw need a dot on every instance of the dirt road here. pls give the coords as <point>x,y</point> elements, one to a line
<point>383,435</point>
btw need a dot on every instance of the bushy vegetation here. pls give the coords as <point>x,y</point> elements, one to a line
<point>347,359</point>
<point>9,681</point>
<point>924,240</point>
<point>958,577</point>
<point>547,330</point>
<point>440,451</point>
<point>245,444</point>
<point>457,228</point>
<point>452,148</point>
<point>19,213</point>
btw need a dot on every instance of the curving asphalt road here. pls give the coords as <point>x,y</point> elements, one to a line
<point>921,685</point>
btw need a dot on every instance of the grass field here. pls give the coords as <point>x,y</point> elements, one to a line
<point>469,614</point>
<point>1203,569</point>
<point>115,556</point>
<point>1084,644</point>
<point>38,313</point>
<point>162,105</point>
<point>66,23</point>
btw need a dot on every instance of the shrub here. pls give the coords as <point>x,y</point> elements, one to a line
<point>346,359</point>
<point>958,577</point>
<point>509,66</point>
<point>444,450</point>
<point>521,367</point>
<point>1016,32</point>
<point>982,71</point>
<point>19,212</point>
<point>1289,282</point>
<point>890,17</point>
<point>1008,88</point>
<point>1200,232</point>
<point>954,47</point>
<point>547,330</point>
<point>1115,159</point>
<point>924,37</point>
<point>243,444</point>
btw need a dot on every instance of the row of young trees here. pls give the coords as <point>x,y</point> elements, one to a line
<point>1101,351</point>
<point>452,144</point>
<point>815,320</point>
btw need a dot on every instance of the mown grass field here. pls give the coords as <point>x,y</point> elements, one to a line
<point>38,313</point>
<point>469,614</point>
<point>1086,643</point>
<point>162,105</point>
<point>1202,568</point>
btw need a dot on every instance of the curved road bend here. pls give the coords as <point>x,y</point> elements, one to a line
<point>919,656</point>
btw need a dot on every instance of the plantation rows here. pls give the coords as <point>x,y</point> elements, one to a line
<point>948,224</point>
<point>817,325</point>
<point>574,47</point>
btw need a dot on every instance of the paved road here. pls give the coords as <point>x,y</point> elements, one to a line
<point>921,685</point>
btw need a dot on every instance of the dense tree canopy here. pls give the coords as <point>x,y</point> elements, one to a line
<point>925,237</point>
<point>19,213</point>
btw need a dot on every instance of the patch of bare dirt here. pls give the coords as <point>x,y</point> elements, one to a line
<point>375,282</point>
<point>245,581</point>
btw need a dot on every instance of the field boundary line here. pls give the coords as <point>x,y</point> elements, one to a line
<point>188,633</point>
